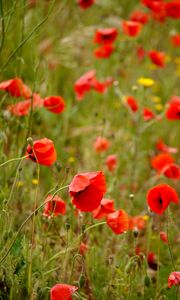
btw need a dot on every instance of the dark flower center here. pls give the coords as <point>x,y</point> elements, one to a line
<point>160,201</point>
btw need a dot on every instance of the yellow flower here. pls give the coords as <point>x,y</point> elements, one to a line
<point>146,218</point>
<point>71,159</point>
<point>147,82</point>
<point>159,106</point>
<point>168,58</point>
<point>19,183</point>
<point>156,99</point>
<point>35,181</point>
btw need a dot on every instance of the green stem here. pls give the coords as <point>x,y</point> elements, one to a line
<point>169,245</point>
<point>28,37</point>
<point>2,25</point>
<point>28,218</point>
<point>13,159</point>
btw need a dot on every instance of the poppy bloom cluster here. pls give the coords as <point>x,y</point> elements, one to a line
<point>87,190</point>
<point>160,196</point>
<point>161,9</point>
<point>87,82</point>
<point>173,110</point>
<point>22,108</point>
<point>54,206</point>
<point>139,16</point>
<point>105,38</point>
<point>62,292</point>
<point>42,152</point>
<point>16,88</point>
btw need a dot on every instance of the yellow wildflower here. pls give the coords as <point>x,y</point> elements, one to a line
<point>147,82</point>
<point>35,181</point>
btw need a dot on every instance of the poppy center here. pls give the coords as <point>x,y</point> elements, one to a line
<point>160,201</point>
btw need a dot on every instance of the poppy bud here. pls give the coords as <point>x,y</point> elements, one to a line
<point>67,226</point>
<point>131,196</point>
<point>129,267</point>
<point>30,141</point>
<point>83,228</point>
<point>58,166</point>
<point>135,232</point>
<point>81,281</point>
<point>147,280</point>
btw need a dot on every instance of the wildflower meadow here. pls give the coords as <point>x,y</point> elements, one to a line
<point>90,142</point>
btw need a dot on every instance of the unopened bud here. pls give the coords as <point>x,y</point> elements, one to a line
<point>30,141</point>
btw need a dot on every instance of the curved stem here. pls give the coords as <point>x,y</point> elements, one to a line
<point>13,159</point>
<point>27,219</point>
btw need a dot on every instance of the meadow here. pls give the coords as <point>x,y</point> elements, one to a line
<point>89,149</point>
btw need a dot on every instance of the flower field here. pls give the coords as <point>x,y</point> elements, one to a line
<point>90,142</point>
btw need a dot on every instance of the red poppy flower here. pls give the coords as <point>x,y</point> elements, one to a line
<point>141,53</point>
<point>106,207</point>
<point>87,190</point>
<point>43,152</point>
<point>161,146</point>
<point>84,84</point>
<point>171,171</point>
<point>62,291</point>
<point>16,88</point>
<point>161,160</point>
<point>111,162</point>
<point>175,40</point>
<point>139,16</point>
<point>158,9</point>
<point>83,248</point>
<point>150,3</point>
<point>104,51</point>
<point>85,3</point>
<point>22,108</point>
<point>173,111</point>
<point>137,222</point>
<point>157,58</point>
<point>132,103</point>
<point>163,237</point>
<point>54,104</point>
<point>160,196</point>
<point>173,279</point>
<point>173,9</point>
<point>54,207</point>
<point>152,262</point>
<point>101,144</point>
<point>148,114</point>
<point>87,82</point>
<point>101,87</point>
<point>131,28</point>
<point>105,36</point>
<point>118,221</point>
